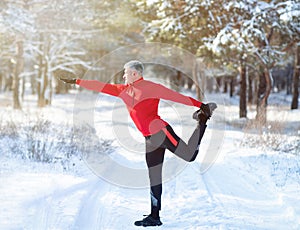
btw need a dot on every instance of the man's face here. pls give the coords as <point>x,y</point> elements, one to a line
<point>129,76</point>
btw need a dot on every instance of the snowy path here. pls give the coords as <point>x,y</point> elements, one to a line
<point>244,189</point>
<point>238,193</point>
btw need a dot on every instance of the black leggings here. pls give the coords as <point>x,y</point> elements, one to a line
<point>155,151</point>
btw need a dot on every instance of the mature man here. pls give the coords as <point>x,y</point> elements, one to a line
<point>142,99</point>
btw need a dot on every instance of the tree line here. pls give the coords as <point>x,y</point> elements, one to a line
<point>246,40</point>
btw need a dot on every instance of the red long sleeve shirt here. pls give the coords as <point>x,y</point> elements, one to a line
<point>141,98</point>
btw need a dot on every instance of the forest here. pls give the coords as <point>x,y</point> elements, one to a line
<point>248,48</point>
<point>73,159</point>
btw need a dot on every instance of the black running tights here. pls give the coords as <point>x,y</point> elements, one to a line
<point>155,150</point>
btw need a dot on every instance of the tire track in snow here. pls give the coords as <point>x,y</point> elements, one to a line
<point>57,210</point>
<point>92,212</point>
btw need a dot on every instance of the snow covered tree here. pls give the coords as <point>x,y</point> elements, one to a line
<point>49,35</point>
<point>57,49</point>
<point>64,37</point>
<point>296,76</point>
<point>16,22</point>
<point>181,23</point>
<point>290,14</point>
<point>254,32</point>
<point>245,35</point>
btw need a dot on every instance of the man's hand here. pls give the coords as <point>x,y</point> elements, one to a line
<point>67,80</point>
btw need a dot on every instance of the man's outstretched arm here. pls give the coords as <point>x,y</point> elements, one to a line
<point>98,86</point>
<point>205,109</point>
<point>171,95</point>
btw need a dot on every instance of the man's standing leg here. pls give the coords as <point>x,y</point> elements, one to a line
<point>154,159</point>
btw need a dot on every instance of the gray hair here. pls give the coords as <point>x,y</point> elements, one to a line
<point>136,65</point>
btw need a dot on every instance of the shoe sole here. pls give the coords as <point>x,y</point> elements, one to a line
<point>212,106</point>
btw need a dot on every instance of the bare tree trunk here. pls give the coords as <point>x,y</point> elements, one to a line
<point>44,84</point>
<point>23,88</point>
<point>250,89</point>
<point>196,73</point>
<point>265,86</point>
<point>243,91</point>
<point>39,79</point>
<point>256,80</point>
<point>33,84</point>
<point>225,86</point>
<point>232,84</point>
<point>219,84</point>
<point>18,69</point>
<point>296,76</point>
<point>1,81</point>
<point>50,94</point>
<point>40,71</point>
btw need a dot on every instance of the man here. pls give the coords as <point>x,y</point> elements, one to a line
<point>142,98</point>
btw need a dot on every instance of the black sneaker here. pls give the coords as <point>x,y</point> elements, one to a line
<point>205,112</point>
<point>148,221</point>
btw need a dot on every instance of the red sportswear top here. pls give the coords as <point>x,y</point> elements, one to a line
<point>141,98</point>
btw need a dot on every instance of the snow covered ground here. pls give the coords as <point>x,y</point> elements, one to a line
<point>245,187</point>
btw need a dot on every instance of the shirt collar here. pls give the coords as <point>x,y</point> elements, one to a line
<point>140,79</point>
